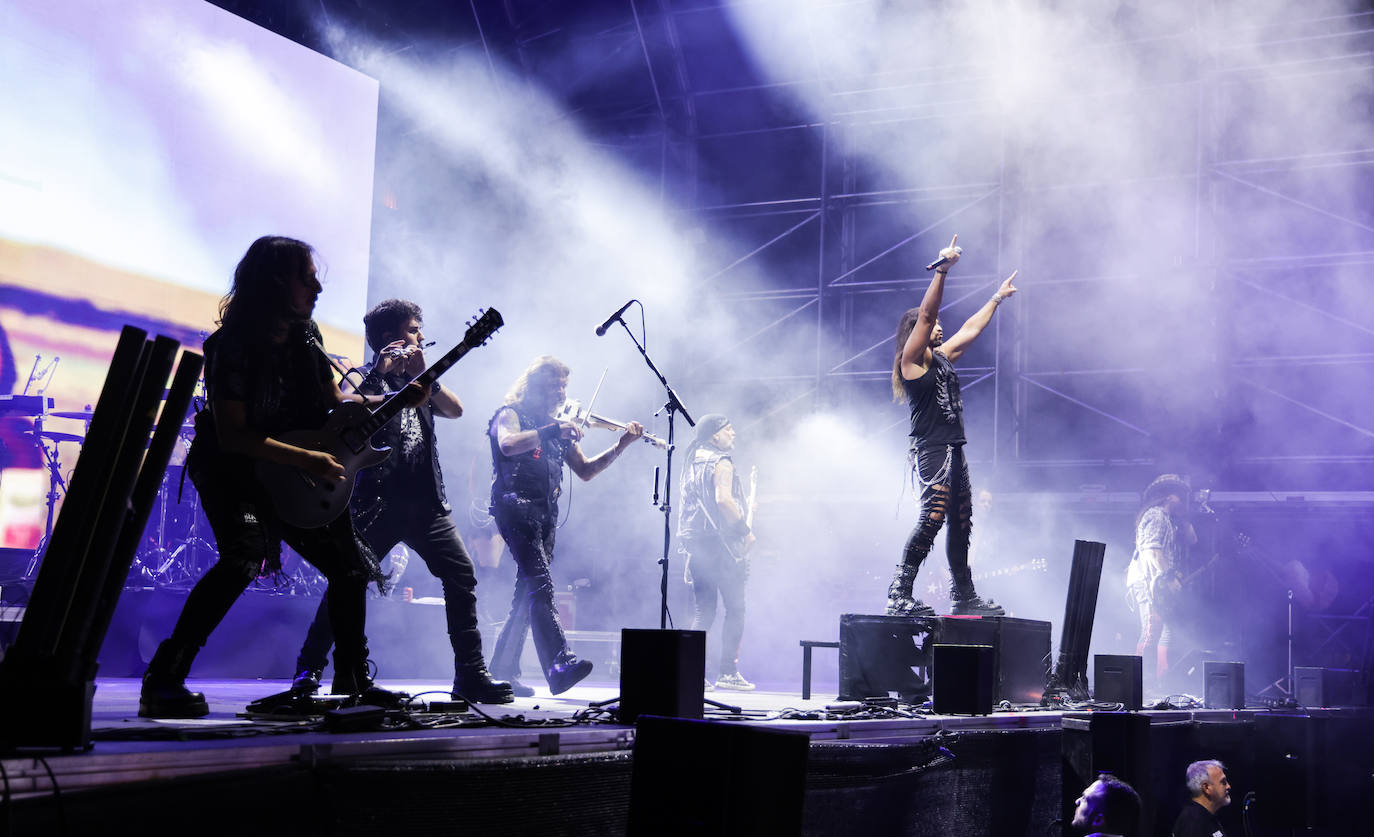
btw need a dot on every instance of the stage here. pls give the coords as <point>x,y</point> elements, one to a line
<point>553,765</point>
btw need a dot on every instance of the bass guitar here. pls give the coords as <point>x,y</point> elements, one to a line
<point>739,547</point>
<point>304,501</point>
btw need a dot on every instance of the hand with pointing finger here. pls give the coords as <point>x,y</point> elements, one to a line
<point>948,256</point>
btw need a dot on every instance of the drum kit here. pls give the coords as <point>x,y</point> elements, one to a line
<point>177,546</point>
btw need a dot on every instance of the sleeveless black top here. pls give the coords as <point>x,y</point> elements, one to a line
<point>937,410</point>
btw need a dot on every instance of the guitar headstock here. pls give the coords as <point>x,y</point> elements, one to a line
<point>480,330</point>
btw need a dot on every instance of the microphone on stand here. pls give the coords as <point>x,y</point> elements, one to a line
<point>944,259</point>
<point>601,329</point>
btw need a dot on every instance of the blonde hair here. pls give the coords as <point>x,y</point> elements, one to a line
<point>542,366</point>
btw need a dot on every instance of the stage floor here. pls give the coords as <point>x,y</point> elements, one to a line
<point>554,765</point>
<point>129,749</point>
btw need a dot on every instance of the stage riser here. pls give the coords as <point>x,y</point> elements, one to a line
<point>878,653</point>
<point>999,784</point>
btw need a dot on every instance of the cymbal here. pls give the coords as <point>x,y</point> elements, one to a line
<point>55,436</point>
<point>80,415</point>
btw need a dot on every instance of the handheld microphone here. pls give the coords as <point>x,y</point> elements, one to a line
<point>944,259</point>
<point>601,329</point>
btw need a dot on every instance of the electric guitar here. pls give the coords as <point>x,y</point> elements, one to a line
<point>304,501</point>
<point>938,591</point>
<point>739,547</point>
<point>1166,594</point>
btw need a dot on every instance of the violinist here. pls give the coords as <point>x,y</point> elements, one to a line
<point>529,447</point>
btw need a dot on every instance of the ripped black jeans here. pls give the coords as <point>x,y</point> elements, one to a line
<point>943,478</point>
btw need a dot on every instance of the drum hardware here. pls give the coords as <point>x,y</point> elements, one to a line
<point>57,486</point>
<point>54,436</point>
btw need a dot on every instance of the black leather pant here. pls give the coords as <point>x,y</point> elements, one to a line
<point>716,574</point>
<point>430,531</point>
<point>529,534</point>
<point>942,473</point>
<point>249,536</point>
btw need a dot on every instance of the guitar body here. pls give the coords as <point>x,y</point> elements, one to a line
<point>303,500</point>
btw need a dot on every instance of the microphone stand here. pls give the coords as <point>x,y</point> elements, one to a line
<point>673,405</point>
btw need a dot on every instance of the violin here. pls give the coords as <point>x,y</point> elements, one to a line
<point>572,412</point>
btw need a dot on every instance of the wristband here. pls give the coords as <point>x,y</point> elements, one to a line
<point>435,387</point>
<point>997,299</point>
<point>549,432</point>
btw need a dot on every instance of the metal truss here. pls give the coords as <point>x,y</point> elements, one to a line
<point>863,263</point>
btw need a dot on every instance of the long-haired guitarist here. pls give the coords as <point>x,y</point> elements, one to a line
<point>714,525</point>
<point>528,450</point>
<point>266,374</point>
<point>402,500</point>
<point>1162,535</point>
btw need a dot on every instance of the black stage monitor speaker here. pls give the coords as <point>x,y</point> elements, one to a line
<point>714,778</point>
<point>662,672</point>
<point>1117,678</point>
<point>964,679</point>
<point>1223,685</point>
<point>1314,686</point>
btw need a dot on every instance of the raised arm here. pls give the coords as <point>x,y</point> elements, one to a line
<point>588,468</point>
<point>969,331</point>
<point>914,350</point>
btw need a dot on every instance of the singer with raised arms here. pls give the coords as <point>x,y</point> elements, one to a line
<point>528,450</point>
<point>923,374</point>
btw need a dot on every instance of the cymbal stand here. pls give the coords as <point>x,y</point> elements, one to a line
<point>57,486</point>
<point>149,564</point>
<point>186,564</point>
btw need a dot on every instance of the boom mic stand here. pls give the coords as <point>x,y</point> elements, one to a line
<point>673,405</point>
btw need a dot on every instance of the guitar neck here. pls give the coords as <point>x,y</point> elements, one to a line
<point>753,494</point>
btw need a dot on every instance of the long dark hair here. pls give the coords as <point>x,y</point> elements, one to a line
<point>261,291</point>
<point>904,327</point>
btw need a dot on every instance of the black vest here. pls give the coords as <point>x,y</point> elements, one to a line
<point>392,480</point>
<point>533,479</point>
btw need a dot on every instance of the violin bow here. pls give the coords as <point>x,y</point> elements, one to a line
<point>587,413</point>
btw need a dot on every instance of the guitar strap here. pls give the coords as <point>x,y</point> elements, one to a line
<point>334,363</point>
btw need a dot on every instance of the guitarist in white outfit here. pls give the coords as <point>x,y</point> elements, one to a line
<point>266,375</point>
<point>714,528</point>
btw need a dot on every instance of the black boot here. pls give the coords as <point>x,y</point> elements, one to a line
<point>307,679</point>
<point>474,684</point>
<point>899,599</point>
<point>965,601</point>
<point>351,678</point>
<point>471,679</point>
<point>164,693</point>
<point>567,671</point>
